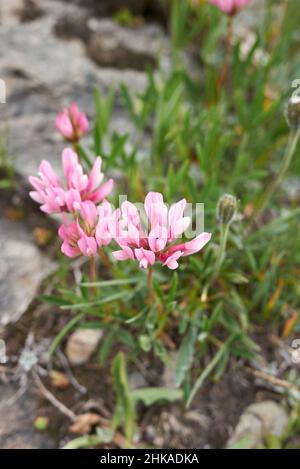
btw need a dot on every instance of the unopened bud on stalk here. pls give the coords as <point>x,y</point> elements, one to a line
<point>226,209</point>
<point>293,112</point>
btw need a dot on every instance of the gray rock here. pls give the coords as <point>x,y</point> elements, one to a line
<point>82,344</point>
<point>30,11</point>
<point>153,8</point>
<point>42,75</point>
<point>136,380</point>
<point>111,45</point>
<point>258,421</point>
<point>22,269</point>
<point>73,25</point>
<point>9,11</point>
<point>16,422</point>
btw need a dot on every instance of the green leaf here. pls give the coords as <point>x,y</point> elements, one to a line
<point>112,283</point>
<point>125,405</point>
<point>150,396</point>
<point>54,300</point>
<point>60,336</point>
<point>84,155</point>
<point>107,345</point>
<point>103,436</point>
<point>213,363</point>
<point>186,354</point>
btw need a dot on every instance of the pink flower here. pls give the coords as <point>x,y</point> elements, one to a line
<point>72,123</point>
<point>165,227</point>
<point>55,197</point>
<point>90,231</point>
<point>230,7</point>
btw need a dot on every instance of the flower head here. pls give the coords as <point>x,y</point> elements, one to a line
<point>90,231</point>
<point>159,244</point>
<point>56,197</point>
<point>72,123</point>
<point>230,7</point>
<point>226,209</point>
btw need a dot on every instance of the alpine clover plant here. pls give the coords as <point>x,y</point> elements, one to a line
<point>196,137</point>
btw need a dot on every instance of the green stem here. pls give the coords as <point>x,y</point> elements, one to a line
<point>75,147</point>
<point>225,72</point>
<point>222,249</point>
<point>150,284</point>
<point>93,276</point>
<point>219,261</point>
<point>268,194</point>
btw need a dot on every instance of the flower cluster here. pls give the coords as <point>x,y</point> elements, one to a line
<point>72,123</point>
<point>230,7</point>
<point>92,229</point>
<point>56,197</point>
<point>164,225</point>
<point>89,221</point>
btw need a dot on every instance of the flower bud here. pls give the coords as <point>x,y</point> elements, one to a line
<point>293,112</point>
<point>226,209</point>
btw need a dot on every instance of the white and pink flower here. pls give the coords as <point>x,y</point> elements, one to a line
<point>56,197</point>
<point>72,123</point>
<point>165,226</point>
<point>92,229</point>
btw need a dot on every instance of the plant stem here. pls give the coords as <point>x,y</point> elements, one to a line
<point>93,276</point>
<point>150,284</point>
<point>75,147</point>
<point>222,249</point>
<point>225,72</point>
<point>268,194</point>
<point>219,261</point>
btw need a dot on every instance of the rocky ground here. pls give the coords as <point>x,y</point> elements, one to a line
<point>52,52</point>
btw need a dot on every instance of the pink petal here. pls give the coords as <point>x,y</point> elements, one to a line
<point>102,192</point>
<point>70,162</point>
<point>157,238</point>
<point>130,213</point>
<point>155,209</point>
<point>69,251</point>
<point>88,246</point>
<point>64,124</point>
<point>145,257</point>
<point>177,222</point>
<point>124,254</point>
<point>171,261</point>
<point>88,211</point>
<point>36,183</point>
<point>95,177</point>
<point>47,173</point>
<point>36,196</point>
<point>196,244</point>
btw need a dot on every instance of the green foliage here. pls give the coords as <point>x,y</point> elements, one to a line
<point>196,138</point>
<point>7,165</point>
<point>125,409</point>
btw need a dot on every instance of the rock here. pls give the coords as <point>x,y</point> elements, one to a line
<point>16,422</point>
<point>73,25</point>
<point>258,421</point>
<point>136,380</point>
<point>37,88</point>
<point>82,344</point>
<point>9,12</point>
<point>22,269</point>
<point>111,45</point>
<point>30,11</point>
<point>151,8</point>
